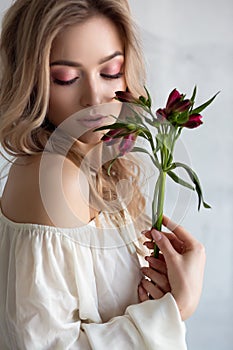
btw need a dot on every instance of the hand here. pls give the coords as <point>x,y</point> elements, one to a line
<point>185,261</point>
<point>157,285</point>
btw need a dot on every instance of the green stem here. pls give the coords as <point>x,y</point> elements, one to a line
<point>160,205</point>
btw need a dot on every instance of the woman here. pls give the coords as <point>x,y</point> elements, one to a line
<point>69,263</point>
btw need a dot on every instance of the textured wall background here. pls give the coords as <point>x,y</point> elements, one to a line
<point>188,43</point>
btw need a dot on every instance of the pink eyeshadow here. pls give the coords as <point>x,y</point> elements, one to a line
<point>64,75</point>
<point>112,69</point>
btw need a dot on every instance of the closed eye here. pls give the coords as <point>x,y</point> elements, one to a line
<point>112,76</point>
<point>65,82</point>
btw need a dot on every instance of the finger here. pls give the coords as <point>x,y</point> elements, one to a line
<point>165,246</point>
<point>160,257</point>
<point>159,279</point>
<point>157,264</point>
<point>179,247</point>
<point>142,293</point>
<point>149,244</point>
<point>179,231</point>
<point>145,232</point>
<point>148,234</point>
<point>176,242</point>
<point>152,289</point>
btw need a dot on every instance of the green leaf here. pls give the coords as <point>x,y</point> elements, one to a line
<point>204,105</point>
<point>149,101</point>
<point>182,118</point>
<point>122,134</point>
<point>159,142</point>
<point>155,123</point>
<point>138,119</point>
<point>149,121</point>
<point>178,180</point>
<point>143,100</point>
<point>194,94</point>
<point>164,140</point>
<point>178,133</point>
<point>112,126</point>
<point>155,203</point>
<point>141,133</point>
<point>169,162</point>
<point>182,97</point>
<point>142,150</point>
<point>193,176</point>
<point>145,133</point>
<point>110,166</point>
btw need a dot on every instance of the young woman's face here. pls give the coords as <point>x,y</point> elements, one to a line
<point>87,67</point>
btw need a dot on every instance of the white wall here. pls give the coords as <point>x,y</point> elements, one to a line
<point>188,43</point>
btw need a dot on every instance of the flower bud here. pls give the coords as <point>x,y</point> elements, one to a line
<point>194,121</point>
<point>127,143</point>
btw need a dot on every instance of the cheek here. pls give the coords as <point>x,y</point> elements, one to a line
<point>62,104</point>
<point>113,86</point>
<point>56,106</point>
<point>121,84</point>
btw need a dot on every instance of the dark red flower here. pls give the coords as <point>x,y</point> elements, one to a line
<point>125,96</point>
<point>175,104</point>
<point>178,106</point>
<point>174,96</point>
<point>194,121</point>
<point>127,143</point>
<point>111,137</point>
<point>161,114</point>
<point>126,136</point>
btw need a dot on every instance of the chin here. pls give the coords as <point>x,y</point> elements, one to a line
<point>92,138</point>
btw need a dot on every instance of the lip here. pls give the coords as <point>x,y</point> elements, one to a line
<point>93,122</point>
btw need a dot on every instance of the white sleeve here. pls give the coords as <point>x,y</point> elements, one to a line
<point>40,304</point>
<point>151,325</point>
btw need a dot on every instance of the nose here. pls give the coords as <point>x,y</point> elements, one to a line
<point>91,93</point>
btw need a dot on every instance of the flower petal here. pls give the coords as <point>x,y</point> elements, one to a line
<point>180,106</point>
<point>174,95</point>
<point>194,121</point>
<point>161,114</point>
<point>125,96</point>
<point>110,138</point>
<point>127,144</point>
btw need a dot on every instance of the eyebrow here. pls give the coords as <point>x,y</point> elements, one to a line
<point>76,64</point>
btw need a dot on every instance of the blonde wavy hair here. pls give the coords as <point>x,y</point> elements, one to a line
<point>28,30</point>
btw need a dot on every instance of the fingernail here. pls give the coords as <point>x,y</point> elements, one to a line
<point>140,290</point>
<point>156,235</point>
<point>182,248</point>
<point>149,259</point>
<point>143,269</point>
<point>144,232</point>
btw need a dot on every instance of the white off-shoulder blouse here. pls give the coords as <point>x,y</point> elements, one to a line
<point>77,289</point>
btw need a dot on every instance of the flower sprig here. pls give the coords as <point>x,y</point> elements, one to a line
<point>179,113</point>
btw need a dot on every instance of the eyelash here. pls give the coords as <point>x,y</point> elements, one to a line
<point>114,76</point>
<point>72,81</point>
<point>62,82</point>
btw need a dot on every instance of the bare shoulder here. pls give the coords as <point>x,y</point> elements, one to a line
<point>46,189</point>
